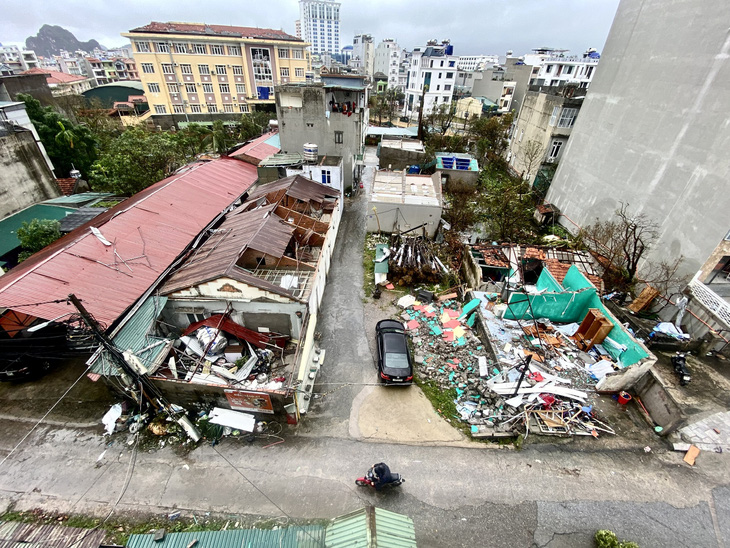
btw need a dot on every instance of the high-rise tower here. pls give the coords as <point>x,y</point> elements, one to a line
<point>320,24</point>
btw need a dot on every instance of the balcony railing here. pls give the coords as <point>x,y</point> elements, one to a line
<point>710,300</point>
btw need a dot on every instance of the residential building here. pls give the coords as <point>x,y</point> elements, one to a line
<point>457,169</point>
<point>555,68</point>
<point>387,60</point>
<point>63,84</point>
<point>363,54</point>
<point>332,117</point>
<point>477,62</point>
<point>200,73</point>
<point>505,84</point>
<point>107,70</point>
<point>542,128</point>
<point>327,169</point>
<point>433,74</point>
<point>18,60</point>
<point>298,27</point>
<point>346,55</point>
<point>71,65</point>
<point>656,143</point>
<point>475,107</point>
<point>320,25</point>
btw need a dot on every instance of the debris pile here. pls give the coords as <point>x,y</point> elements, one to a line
<point>413,260</point>
<point>524,378</point>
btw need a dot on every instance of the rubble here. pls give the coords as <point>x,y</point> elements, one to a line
<point>525,377</point>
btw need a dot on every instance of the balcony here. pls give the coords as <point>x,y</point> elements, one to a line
<point>713,302</point>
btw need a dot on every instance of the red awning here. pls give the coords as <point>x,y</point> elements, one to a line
<point>218,321</point>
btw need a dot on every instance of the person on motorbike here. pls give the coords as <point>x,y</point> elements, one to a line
<point>381,475</point>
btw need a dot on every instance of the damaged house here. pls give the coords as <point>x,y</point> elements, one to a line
<point>223,320</point>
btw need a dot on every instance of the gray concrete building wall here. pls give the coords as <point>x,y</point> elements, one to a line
<point>653,129</point>
<point>24,176</point>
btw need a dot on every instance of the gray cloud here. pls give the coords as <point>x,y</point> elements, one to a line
<point>473,26</point>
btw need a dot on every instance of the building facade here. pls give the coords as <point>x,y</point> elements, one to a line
<point>18,60</point>
<point>433,71</point>
<point>333,117</point>
<point>477,62</point>
<point>558,69</point>
<point>363,54</point>
<point>200,73</point>
<point>657,143</point>
<point>387,60</point>
<point>319,21</point>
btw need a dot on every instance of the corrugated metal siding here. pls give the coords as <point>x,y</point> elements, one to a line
<point>298,187</point>
<point>168,214</point>
<point>349,531</point>
<point>14,534</point>
<point>354,530</point>
<point>291,537</point>
<point>134,336</point>
<point>394,530</point>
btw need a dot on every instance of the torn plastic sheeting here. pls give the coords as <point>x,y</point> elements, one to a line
<point>234,419</point>
<point>110,418</point>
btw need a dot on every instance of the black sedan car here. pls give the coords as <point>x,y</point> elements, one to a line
<point>394,359</point>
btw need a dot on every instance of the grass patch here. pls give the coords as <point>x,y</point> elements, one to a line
<point>442,401</point>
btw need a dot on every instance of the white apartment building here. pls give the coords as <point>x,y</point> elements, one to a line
<point>320,25</point>
<point>477,62</point>
<point>363,54</point>
<point>387,60</point>
<point>18,60</point>
<point>553,68</point>
<point>433,68</point>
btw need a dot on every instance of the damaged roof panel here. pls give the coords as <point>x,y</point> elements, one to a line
<point>299,187</point>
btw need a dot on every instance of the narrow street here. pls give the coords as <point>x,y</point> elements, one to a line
<point>458,493</point>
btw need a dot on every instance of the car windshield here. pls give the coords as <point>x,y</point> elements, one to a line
<point>396,361</point>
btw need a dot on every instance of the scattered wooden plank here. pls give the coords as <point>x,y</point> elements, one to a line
<point>691,455</point>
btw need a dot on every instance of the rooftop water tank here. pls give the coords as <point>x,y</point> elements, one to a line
<point>311,151</point>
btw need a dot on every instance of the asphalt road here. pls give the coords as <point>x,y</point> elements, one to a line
<point>457,493</point>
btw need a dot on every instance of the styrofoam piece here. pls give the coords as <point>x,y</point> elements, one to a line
<point>483,366</point>
<point>234,419</point>
<point>406,300</point>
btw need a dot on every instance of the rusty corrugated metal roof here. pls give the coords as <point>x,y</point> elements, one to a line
<point>215,30</point>
<point>147,233</point>
<point>14,534</point>
<point>256,150</point>
<point>298,187</point>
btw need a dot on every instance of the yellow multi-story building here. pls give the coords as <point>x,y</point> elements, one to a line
<point>194,72</point>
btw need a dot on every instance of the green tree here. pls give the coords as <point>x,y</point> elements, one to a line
<point>68,145</point>
<point>252,125</point>
<point>36,235</point>
<point>135,160</point>
<point>490,136</point>
<point>104,127</point>
<point>439,120</point>
<point>191,140</point>
<point>506,206</point>
<point>219,139</point>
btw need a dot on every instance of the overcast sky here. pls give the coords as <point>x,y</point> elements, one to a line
<point>474,26</point>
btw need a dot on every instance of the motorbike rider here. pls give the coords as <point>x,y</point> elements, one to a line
<point>381,475</point>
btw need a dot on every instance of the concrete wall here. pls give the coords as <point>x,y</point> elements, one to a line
<point>24,175</point>
<point>314,172</point>
<point>653,129</point>
<point>309,123</point>
<point>397,159</point>
<point>32,84</point>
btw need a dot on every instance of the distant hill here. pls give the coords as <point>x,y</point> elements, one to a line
<point>51,39</point>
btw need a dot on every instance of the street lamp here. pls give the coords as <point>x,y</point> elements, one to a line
<point>40,326</point>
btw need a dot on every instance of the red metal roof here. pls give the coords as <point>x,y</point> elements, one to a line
<point>147,232</point>
<point>55,77</point>
<point>255,151</point>
<point>215,30</point>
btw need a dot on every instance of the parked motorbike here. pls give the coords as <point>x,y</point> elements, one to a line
<point>369,480</point>
<point>680,368</point>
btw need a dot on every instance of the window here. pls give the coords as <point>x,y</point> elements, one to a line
<point>339,137</point>
<point>167,68</point>
<point>452,63</point>
<point>440,74</point>
<point>326,177</point>
<point>220,69</point>
<point>234,50</point>
<point>212,107</point>
<point>204,69</point>
<point>240,88</point>
<point>160,109</point>
<point>555,149</point>
<point>162,47</point>
<point>142,47</point>
<point>238,70</point>
<point>284,72</point>
<point>178,109</point>
<point>195,109</point>
<point>181,48</point>
<point>446,99</point>
<point>173,88</point>
<point>153,88</point>
<point>242,108</point>
<point>567,117</point>
<point>554,116</point>
<point>569,69</point>
<point>207,88</point>
<point>227,108</point>
<point>299,72</point>
<point>449,75</point>
<point>200,49</point>
<point>548,69</point>
<point>216,50</point>
<point>186,69</point>
<point>283,53</point>
<point>438,87</point>
<point>442,64</point>
<point>297,54</point>
<point>148,68</point>
<point>225,88</point>
<point>190,88</point>
<point>447,87</point>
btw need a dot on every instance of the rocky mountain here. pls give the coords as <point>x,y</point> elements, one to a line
<point>51,39</point>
